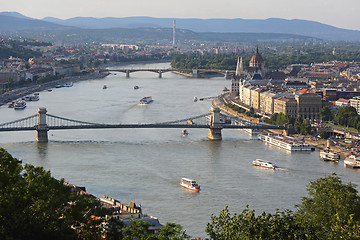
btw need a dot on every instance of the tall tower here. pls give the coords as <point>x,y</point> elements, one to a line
<point>174,33</point>
<point>239,67</point>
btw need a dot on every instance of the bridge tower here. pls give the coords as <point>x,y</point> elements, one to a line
<point>215,126</point>
<point>42,128</point>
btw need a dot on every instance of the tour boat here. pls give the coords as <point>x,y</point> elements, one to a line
<point>189,184</point>
<point>287,143</point>
<point>20,105</point>
<point>34,97</point>
<point>12,104</point>
<point>70,84</point>
<point>184,132</point>
<point>352,161</point>
<point>327,155</point>
<point>146,100</point>
<point>264,164</point>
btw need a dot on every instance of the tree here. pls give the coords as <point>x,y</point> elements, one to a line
<point>172,231</point>
<point>305,127</point>
<point>297,124</point>
<point>330,203</point>
<point>343,115</point>
<point>331,211</point>
<point>326,114</point>
<point>324,135</point>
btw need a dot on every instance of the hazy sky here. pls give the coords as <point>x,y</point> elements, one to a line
<point>339,13</point>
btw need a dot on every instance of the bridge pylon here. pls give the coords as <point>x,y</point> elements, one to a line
<point>215,125</point>
<point>42,128</point>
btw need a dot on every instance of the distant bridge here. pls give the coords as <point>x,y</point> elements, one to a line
<point>43,122</point>
<point>192,72</point>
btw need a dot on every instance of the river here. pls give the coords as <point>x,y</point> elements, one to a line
<point>146,165</point>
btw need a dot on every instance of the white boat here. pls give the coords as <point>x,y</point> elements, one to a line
<point>327,155</point>
<point>264,164</point>
<point>189,184</point>
<point>251,131</point>
<point>20,105</point>
<point>34,97</point>
<point>12,104</point>
<point>195,99</point>
<point>287,143</point>
<point>352,161</point>
<point>184,132</point>
<point>146,100</point>
<point>27,98</point>
<point>70,84</point>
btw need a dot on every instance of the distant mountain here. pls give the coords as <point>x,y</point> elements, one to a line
<point>12,21</point>
<point>8,22</point>
<point>238,25</point>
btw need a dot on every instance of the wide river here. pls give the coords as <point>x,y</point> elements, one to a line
<point>146,165</point>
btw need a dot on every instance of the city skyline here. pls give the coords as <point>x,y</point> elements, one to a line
<point>329,12</point>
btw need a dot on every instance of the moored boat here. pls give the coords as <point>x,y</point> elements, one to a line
<point>287,143</point>
<point>352,161</point>
<point>34,97</point>
<point>189,184</point>
<point>327,155</point>
<point>12,104</point>
<point>264,164</point>
<point>146,100</point>
<point>20,105</point>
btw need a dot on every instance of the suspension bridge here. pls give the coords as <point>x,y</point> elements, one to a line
<point>42,122</point>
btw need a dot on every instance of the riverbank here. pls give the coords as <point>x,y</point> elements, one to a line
<point>320,144</point>
<point>23,91</point>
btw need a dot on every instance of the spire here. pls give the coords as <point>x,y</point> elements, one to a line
<point>239,67</point>
<point>237,73</point>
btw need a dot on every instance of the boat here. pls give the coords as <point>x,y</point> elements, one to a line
<point>184,132</point>
<point>195,99</point>
<point>27,98</point>
<point>327,155</point>
<point>251,131</point>
<point>34,97</point>
<point>20,105</point>
<point>70,84</point>
<point>146,100</point>
<point>352,161</point>
<point>284,142</point>
<point>59,86</point>
<point>136,87</point>
<point>189,184</point>
<point>264,164</point>
<point>12,104</point>
<point>104,87</point>
<point>49,90</point>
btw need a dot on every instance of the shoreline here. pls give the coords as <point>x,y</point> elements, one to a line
<point>23,91</point>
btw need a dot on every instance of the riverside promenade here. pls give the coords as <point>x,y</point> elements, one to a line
<point>23,91</point>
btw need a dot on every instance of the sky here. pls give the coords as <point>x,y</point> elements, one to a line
<point>338,13</point>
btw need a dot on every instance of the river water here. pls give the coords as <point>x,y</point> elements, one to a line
<point>146,165</point>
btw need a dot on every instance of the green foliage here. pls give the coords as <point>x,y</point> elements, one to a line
<point>49,78</point>
<point>326,114</point>
<point>324,135</point>
<point>172,231</point>
<point>330,204</point>
<point>279,119</point>
<point>235,108</point>
<point>305,127</point>
<point>331,211</point>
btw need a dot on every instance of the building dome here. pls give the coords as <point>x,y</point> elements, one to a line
<point>256,60</point>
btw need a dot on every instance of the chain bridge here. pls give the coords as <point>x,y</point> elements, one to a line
<point>43,122</point>
<point>193,72</point>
